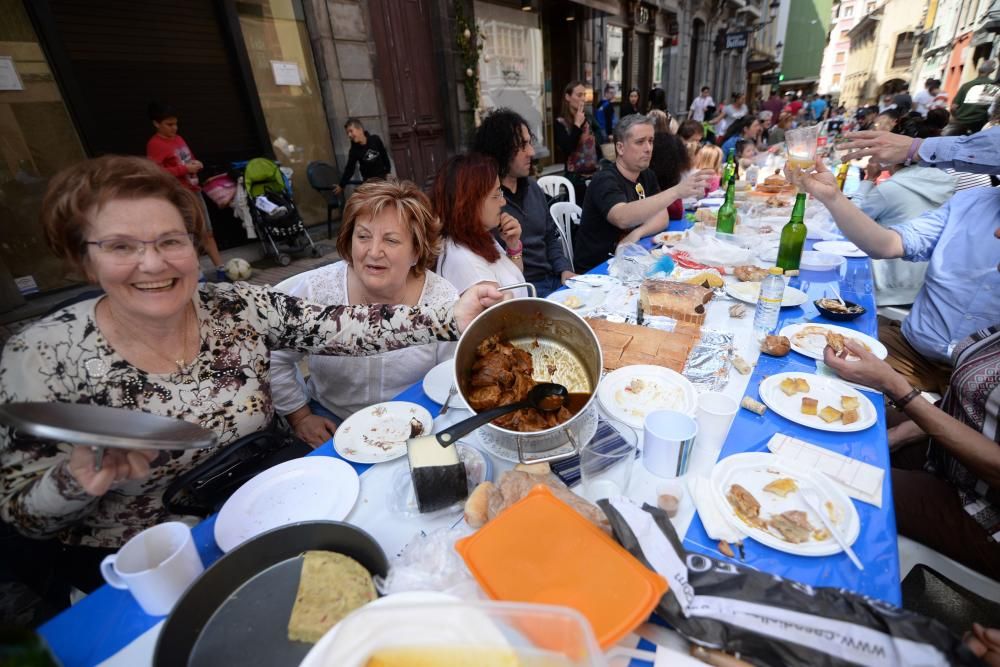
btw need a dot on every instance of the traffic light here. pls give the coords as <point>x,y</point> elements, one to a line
<point>781,77</point>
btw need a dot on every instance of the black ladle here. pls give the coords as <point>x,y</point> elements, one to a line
<point>546,396</point>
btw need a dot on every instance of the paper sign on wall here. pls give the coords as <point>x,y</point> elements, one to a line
<point>9,80</point>
<point>26,284</point>
<point>286,73</point>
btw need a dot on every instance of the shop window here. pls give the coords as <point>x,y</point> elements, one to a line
<point>275,32</point>
<point>39,139</point>
<point>615,58</point>
<point>903,54</point>
<point>513,77</point>
<point>658,62</point>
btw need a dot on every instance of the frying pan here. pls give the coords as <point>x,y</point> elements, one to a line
<point>237,612</point>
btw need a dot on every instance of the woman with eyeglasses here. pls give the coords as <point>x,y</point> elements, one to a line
<point>157,341</point>
<point>482,244</point>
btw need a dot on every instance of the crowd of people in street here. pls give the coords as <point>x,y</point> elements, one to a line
<point>229,355</point>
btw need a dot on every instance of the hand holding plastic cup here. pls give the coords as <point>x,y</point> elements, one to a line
<point>157,566</point>
<point>668,441</point>
<point>800,145</point>
<point>606,465</point>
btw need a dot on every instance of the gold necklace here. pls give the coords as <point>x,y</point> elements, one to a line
<point>180,363</point>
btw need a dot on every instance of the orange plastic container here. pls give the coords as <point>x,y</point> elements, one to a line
<point>540,550</point>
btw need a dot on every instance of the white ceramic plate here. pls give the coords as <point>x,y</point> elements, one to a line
<point>379,432</point>
<point>312,488</point>
<point>628,394</point>
<point>810,339</point>
<point>439,380</point>
<point>748,293</point>
<point>827,391</point>
<point>842,248</point>
<point>581,299</point>
<point>601,280</point>
<point>753,471</point>
<point>819,261</point>
<point>402,500</point>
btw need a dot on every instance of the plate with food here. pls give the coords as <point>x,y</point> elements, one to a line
<point>669,238</point>
<point>842,248</point>
<point>748,293</point>
<point>819,402</point>
<point>379,432</point>
<point>758,493</point>
<point>631,392</point>
<point>811,339</point>
<point>579,299</point>
<point>312,488</point>
<point>439,381</point>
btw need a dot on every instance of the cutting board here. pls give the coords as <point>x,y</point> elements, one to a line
<point>628,345</point>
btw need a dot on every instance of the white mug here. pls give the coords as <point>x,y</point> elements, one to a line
<point>668,438</point>
<point>157,566</point>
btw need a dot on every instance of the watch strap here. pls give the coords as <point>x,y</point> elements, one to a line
<point>901,403</point>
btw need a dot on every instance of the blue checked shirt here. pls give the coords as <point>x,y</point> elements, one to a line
<point>961,293</point>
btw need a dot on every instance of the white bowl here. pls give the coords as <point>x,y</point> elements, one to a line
<point>820,261</point>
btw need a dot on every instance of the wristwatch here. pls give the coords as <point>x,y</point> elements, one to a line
<point>901,403</point>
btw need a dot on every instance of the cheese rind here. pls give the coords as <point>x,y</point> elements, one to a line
<point>438,476</point>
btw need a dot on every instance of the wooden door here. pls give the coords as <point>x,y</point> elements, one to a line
<point>408,74</point>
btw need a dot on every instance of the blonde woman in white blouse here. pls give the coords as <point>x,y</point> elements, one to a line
<point>388,239</point>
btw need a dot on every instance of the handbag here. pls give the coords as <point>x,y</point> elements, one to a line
<point>202,490</point>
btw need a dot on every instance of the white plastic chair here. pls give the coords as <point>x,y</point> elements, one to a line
<point>911,553</point>
<point>566,214</point>
<point>552,186</point>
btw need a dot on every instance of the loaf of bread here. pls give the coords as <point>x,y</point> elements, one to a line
<point>680,301</point>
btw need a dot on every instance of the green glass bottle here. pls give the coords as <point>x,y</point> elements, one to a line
<point>729,170</point>
<point>793,236</point>
<point>726,217</point>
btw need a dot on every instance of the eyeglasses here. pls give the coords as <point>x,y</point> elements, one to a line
<point>127,250</point>
<point>498,194</point>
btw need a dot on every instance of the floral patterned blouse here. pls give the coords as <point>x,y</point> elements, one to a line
<point>65,358</point>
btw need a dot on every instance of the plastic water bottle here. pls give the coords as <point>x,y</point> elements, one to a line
<point>772,291</point>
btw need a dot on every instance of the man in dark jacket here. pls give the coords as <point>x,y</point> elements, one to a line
<point>367,151</point>
<point>504,136</point>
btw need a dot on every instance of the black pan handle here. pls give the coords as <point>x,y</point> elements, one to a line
<point>463,428</point>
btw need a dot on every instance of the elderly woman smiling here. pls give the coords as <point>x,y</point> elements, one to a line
<point>389,239</point>
<point>159,342</point>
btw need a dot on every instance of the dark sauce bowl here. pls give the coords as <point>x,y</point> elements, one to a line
<point>837,316</point>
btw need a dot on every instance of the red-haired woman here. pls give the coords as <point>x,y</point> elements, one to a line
<point>468,200</point>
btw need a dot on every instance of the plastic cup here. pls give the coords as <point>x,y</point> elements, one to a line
<point>800,145</point>
<point>715,415</point>
<point>668,441</point>
<point>606,467</point>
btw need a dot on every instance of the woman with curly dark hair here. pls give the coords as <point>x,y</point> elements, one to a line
<point>467,198</point>
<point>670,161</point>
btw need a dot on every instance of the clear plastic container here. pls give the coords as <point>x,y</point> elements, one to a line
<point>457,633</point>
<point>772,291</point>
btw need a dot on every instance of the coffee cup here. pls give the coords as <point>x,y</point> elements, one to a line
<point>715,415</point>
<point>668,438</point>
<point>157,566</point>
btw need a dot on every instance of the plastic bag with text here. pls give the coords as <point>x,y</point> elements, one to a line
<point>767,620</point>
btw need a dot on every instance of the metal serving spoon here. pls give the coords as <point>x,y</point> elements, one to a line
<point>546,397</point>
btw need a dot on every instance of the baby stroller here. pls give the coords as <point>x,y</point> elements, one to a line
<point>281,230</point>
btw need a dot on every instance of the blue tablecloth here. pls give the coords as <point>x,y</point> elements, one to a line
<point>107,620</point>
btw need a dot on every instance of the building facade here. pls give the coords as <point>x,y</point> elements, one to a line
<point>838,46</point>
<point>881,56</point>
<point>807,26</point>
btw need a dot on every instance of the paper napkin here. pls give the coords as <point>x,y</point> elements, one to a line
<point>859,480</point>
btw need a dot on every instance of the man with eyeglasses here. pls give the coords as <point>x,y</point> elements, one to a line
<point>623,202</point>
<point>504,136</point>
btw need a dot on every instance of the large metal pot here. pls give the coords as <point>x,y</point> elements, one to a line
<point>558,339</point>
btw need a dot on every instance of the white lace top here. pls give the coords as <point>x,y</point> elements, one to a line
<point>464,268</point>
<point>344,385</point>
